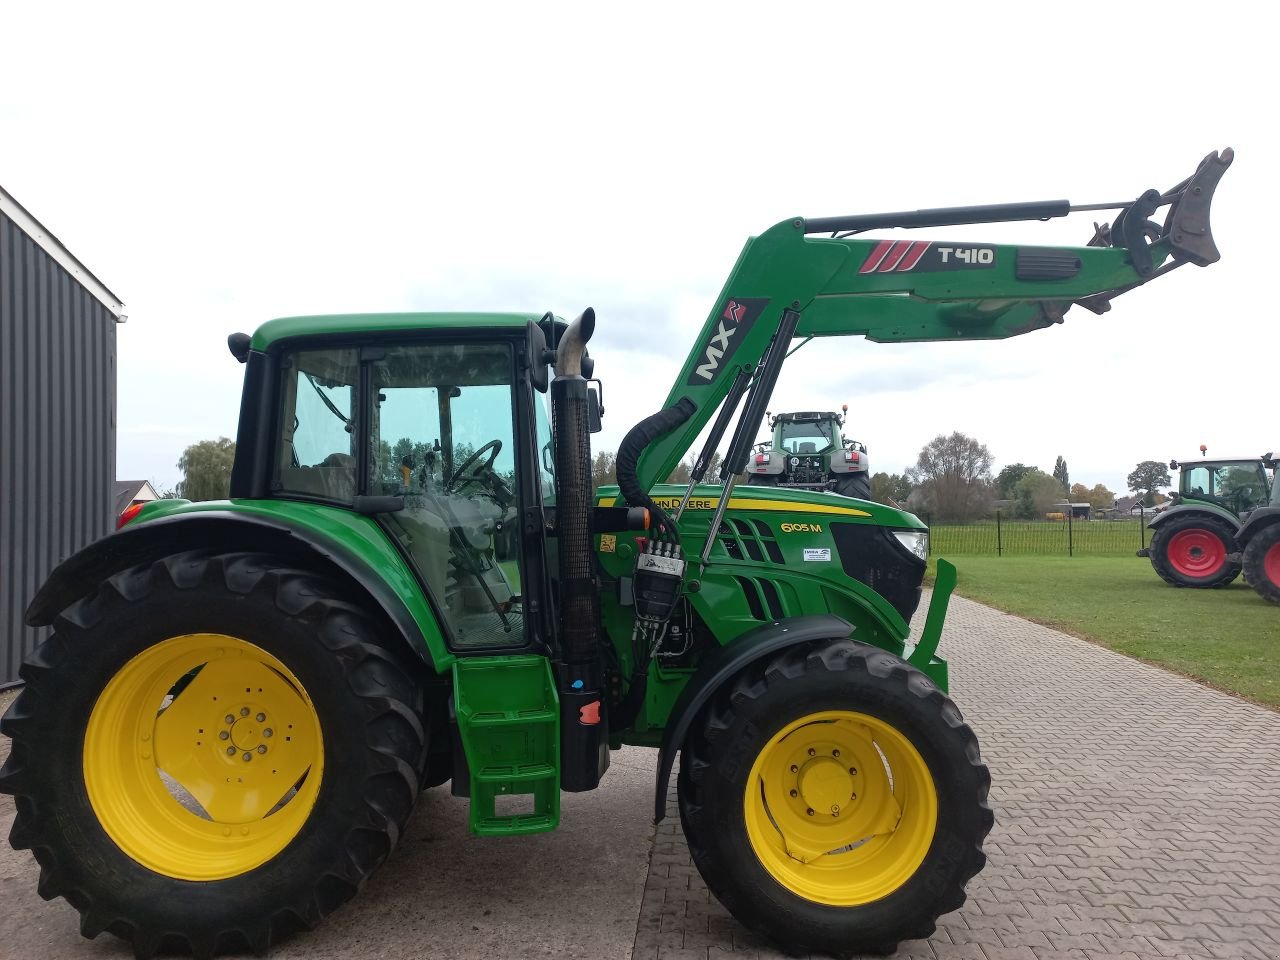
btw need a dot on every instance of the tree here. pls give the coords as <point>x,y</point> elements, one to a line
<point>683,472</point>
<point>1008,478</point>
<point>206,470</point>
<point>890,488</point>
<point>1146,477</point>
<point>1036,494</point>
<point>603,469</point>
<point>1100,498</point>
<point>1060,474</point>
<point>955,474</point>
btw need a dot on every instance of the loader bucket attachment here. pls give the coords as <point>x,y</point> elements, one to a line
<point>1188,225</point>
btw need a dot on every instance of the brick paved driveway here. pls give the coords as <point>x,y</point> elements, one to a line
<point>1137,815</point>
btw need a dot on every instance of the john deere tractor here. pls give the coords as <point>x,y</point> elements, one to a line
<point>411,584</point>
<point>808,452</point>
<point>1225,518</point>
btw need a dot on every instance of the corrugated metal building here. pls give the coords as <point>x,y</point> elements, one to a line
<point>57,415</point>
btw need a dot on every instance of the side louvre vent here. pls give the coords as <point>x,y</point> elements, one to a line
<point>749,540</point>
<point>762,598</point>
<point>753,597</point>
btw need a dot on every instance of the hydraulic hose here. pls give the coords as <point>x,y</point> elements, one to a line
<point>633,445</point>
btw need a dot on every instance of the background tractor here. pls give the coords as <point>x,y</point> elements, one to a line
<point>808,452</point>
<point>411,584</point>
<point>1225,518</point>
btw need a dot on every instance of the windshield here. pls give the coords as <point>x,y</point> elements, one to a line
<point>812,436</point>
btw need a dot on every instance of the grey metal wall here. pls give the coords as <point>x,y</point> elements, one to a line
<point>57,427</point>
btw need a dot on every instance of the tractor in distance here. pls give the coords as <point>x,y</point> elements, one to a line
<point>411,584</point>
<point>808,452</point>
<point>1224,519</point>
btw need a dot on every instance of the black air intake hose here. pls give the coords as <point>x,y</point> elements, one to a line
<point>633,445</point>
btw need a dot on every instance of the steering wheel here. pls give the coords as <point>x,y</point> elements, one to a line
<point>472,468</point>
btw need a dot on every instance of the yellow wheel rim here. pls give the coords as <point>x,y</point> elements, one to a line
<point>840,808</point>
<point>202,757</point>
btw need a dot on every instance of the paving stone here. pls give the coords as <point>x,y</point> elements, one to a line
<point>1137,814</point>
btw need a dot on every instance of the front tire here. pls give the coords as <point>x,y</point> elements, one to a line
<point>1262,563</point>
<point>834,800</point>
<point>1191,551</point>
<point>211,751</point>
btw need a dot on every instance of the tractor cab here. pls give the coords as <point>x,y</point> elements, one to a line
<point>1240,486</point>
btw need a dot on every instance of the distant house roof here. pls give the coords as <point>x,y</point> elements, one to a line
<point>1126,503</point>
<point>51,245</point>
<point>126,492</point>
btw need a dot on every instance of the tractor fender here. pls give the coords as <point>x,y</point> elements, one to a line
<point>1212,509</point>
<point>76,576</point>
<point>721,666</point>
<point>1259,519</point>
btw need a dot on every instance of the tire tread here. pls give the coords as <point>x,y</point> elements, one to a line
<point>374,676</point>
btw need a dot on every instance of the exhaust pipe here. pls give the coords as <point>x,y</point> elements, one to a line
<point>584,745</point>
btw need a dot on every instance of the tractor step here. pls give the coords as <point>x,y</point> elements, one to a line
<point>509,722</point>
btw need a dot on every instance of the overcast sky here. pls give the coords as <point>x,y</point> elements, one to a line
<point>219,165</point>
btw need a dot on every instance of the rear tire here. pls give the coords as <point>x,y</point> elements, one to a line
<point>856,485</point>
<point>211,637</point>
<point>881,880</point>
<point>1191,551</point>
<point>1262,563</point>
<point>761,480</point>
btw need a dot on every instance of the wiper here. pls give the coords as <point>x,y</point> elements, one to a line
<point>329,403</point>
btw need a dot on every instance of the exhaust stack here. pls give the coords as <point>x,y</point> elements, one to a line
<point>584,746</point>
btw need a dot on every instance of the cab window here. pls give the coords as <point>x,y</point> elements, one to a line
<point>317,445</point>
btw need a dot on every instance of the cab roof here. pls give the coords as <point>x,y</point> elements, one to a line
<point>285,328</point>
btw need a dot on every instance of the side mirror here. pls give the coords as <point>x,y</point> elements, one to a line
<point>238,344</point>
<point>595,411</point>
<point>536,357</point>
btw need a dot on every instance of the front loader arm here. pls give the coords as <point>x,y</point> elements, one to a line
<point>893,290</point>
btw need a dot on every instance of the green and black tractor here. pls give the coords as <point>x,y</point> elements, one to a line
<point>412,584</point>
<point>808,452</point>
<point>1225,519</point>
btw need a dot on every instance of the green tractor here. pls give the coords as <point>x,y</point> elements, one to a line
<point>808,452</point>
<point>412,584</point>
<point>1225,519</point>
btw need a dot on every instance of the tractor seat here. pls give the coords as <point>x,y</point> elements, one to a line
<point>333,479</point>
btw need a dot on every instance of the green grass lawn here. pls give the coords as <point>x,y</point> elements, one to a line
<point>1229,638</point>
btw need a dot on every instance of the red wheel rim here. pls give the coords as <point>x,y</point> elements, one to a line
<point>1271,564</point>
<point>1199,553</point>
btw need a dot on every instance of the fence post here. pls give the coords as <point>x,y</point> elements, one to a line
<point>1142,525</point>
<point>1071,552</point>
<point>999,541</point>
